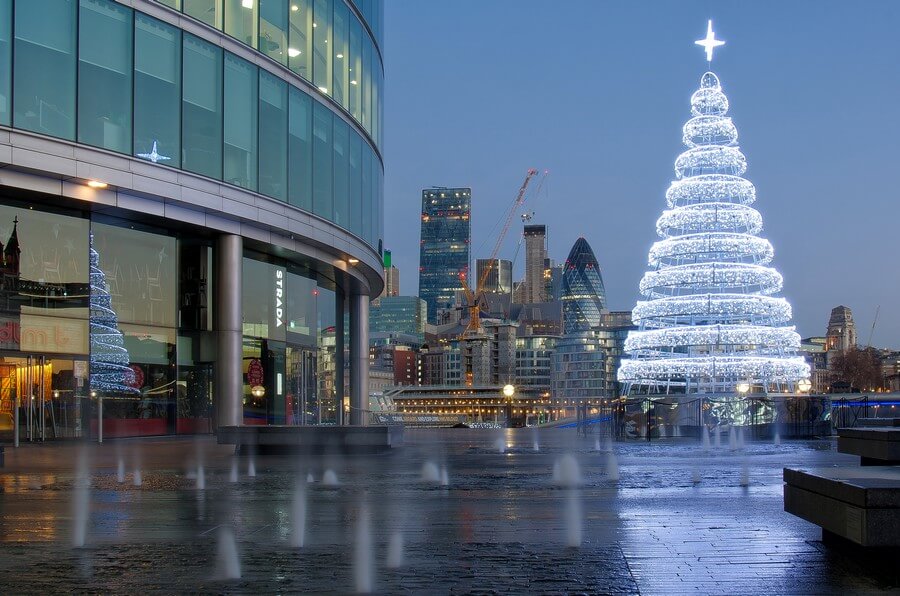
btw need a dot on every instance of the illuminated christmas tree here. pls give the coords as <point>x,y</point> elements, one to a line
<point>110,371</point>
<point>712,321</point>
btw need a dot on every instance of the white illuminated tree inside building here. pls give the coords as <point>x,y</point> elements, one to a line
<point>110,372</point>
<point>711,321</point>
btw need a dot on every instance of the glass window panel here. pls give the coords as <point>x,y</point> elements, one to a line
<point>325,314</point>
<point>157,91</point>
<point>202,108</point>
<point>366,110</point>
<point>378,200</point>
<point>43,300</point>
<point>341,169</point>
<point>340,33</point>
<point>176,4</point>
<point>104,75</point>
<point>301,310</point>
<point>273,126</point>
<point>264,294</point>
<point>208,11</point>
<point>273,29</point>
<point>356,144</point>
<point>354,71</point>
<point>322,197</point>
<point>5,59</point>
<point>241,18</point>
<point>321,51</point>
<point>300,40</point>
<point>376,95</point>
<point>45,44</point>
<point>367,227</point>
<point>241,104</point>
<point>300,150</point>
<point>140,273</point>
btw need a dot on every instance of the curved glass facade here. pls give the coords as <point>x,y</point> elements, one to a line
<point>583,294</point>
<point>120,80</point>
<point>333,44</point>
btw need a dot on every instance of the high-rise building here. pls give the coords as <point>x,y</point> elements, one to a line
<point>236,176</point>
<point>444,245</point>
<point>401,315</point>
<point>583,293</point>
<point>711,321</point>
<point>499,278</point>
<point>841,333</point>
<point>391,277</point>
<point>535,288</point>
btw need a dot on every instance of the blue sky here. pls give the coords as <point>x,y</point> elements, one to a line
<point>596,92</point>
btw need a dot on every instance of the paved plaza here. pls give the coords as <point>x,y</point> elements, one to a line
<point>677,519</point>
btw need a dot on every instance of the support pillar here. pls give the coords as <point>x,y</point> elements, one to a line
<point>339,389</point>
<point>228,396</point>
<point>359,359</point>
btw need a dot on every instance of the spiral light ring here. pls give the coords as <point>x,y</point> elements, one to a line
<point>665,370</point>
<point>709,130</point>
<point>711,247</point>
<point>710,159</point>
<point>718,277</point>
<point>709,102</point>
<point>710,188</point>
<point>718,307</point>
<point>719,335</point>
<point>709,217</point>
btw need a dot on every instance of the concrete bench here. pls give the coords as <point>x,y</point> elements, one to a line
<point>876,446</point>
<point>861,505</point>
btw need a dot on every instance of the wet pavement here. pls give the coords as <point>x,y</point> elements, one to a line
<point>678,519</point>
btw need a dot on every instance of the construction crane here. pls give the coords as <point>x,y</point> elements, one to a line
<point>474,298</point>
<point>872,332</point>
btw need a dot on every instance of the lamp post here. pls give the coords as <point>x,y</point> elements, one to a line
<point>509,392</point>
<point>804,385</point>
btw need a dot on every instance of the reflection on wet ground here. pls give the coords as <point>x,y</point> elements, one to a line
<point>451,511</point>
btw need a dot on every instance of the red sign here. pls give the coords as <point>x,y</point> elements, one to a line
<point>255,373</point>
<point>136,378</point>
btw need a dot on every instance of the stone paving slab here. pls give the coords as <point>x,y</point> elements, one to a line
<point>498,527</point>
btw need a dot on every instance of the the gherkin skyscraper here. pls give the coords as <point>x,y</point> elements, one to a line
<point>712,321</point>
<point>583,294</point>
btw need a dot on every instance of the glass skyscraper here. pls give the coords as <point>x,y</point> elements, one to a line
<point>444,246</point>
<point>583,294</point>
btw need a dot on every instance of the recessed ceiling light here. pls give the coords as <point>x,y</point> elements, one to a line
<point>353,261</point>
<point>323,89</point>
<point>293,52</point>
<point>97,184</point>
<point>340,56</point>
<point>294,8</point>
<point>352,82</point>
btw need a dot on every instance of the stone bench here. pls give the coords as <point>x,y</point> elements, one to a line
<point>876,446</point>
<point>861,505</point>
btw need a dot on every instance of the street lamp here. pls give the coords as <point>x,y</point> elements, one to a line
<point>508,392</point>
<point>257,391</point>
<point>743,388</point>
<point>804,385</point>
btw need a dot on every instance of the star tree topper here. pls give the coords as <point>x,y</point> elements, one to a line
<point>710,43</point>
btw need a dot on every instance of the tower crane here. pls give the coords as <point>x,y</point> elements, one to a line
<point>474,298</point>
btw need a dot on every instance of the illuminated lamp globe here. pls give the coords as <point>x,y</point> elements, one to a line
<point>803,385</point>
<point>743,388</point>
<point>257,391</point>
<point>509,390</point>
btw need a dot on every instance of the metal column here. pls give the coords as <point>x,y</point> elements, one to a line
<point>359,359</point>
<point>228,392</point>
<point>339,357</point>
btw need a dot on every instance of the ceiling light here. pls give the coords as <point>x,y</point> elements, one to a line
<point>353,82</point>
<point>294,8</point>
<point>247,3</point>
<point>323,89</point>
<point>97,184</point>
<point>353,261</point>
<point>293,52</point>
<point>339,56</point>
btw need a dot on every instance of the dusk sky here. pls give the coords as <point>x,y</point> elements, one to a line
<point>597,92</point>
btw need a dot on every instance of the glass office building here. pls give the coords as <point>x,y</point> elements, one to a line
<point>583,294</point>
<point>187,218</point>
<point>445,244</point>
<point>402,315</point>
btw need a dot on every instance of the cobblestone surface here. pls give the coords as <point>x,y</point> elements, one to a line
<point>677,520</point>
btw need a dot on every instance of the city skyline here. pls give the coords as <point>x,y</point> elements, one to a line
<point>611,134</point>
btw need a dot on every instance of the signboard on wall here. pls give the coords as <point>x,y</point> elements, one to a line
<point>53,335</point>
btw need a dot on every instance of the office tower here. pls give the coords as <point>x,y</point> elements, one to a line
<point>535,263</point>
<point>444,245</point>
<point>499,279</point>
